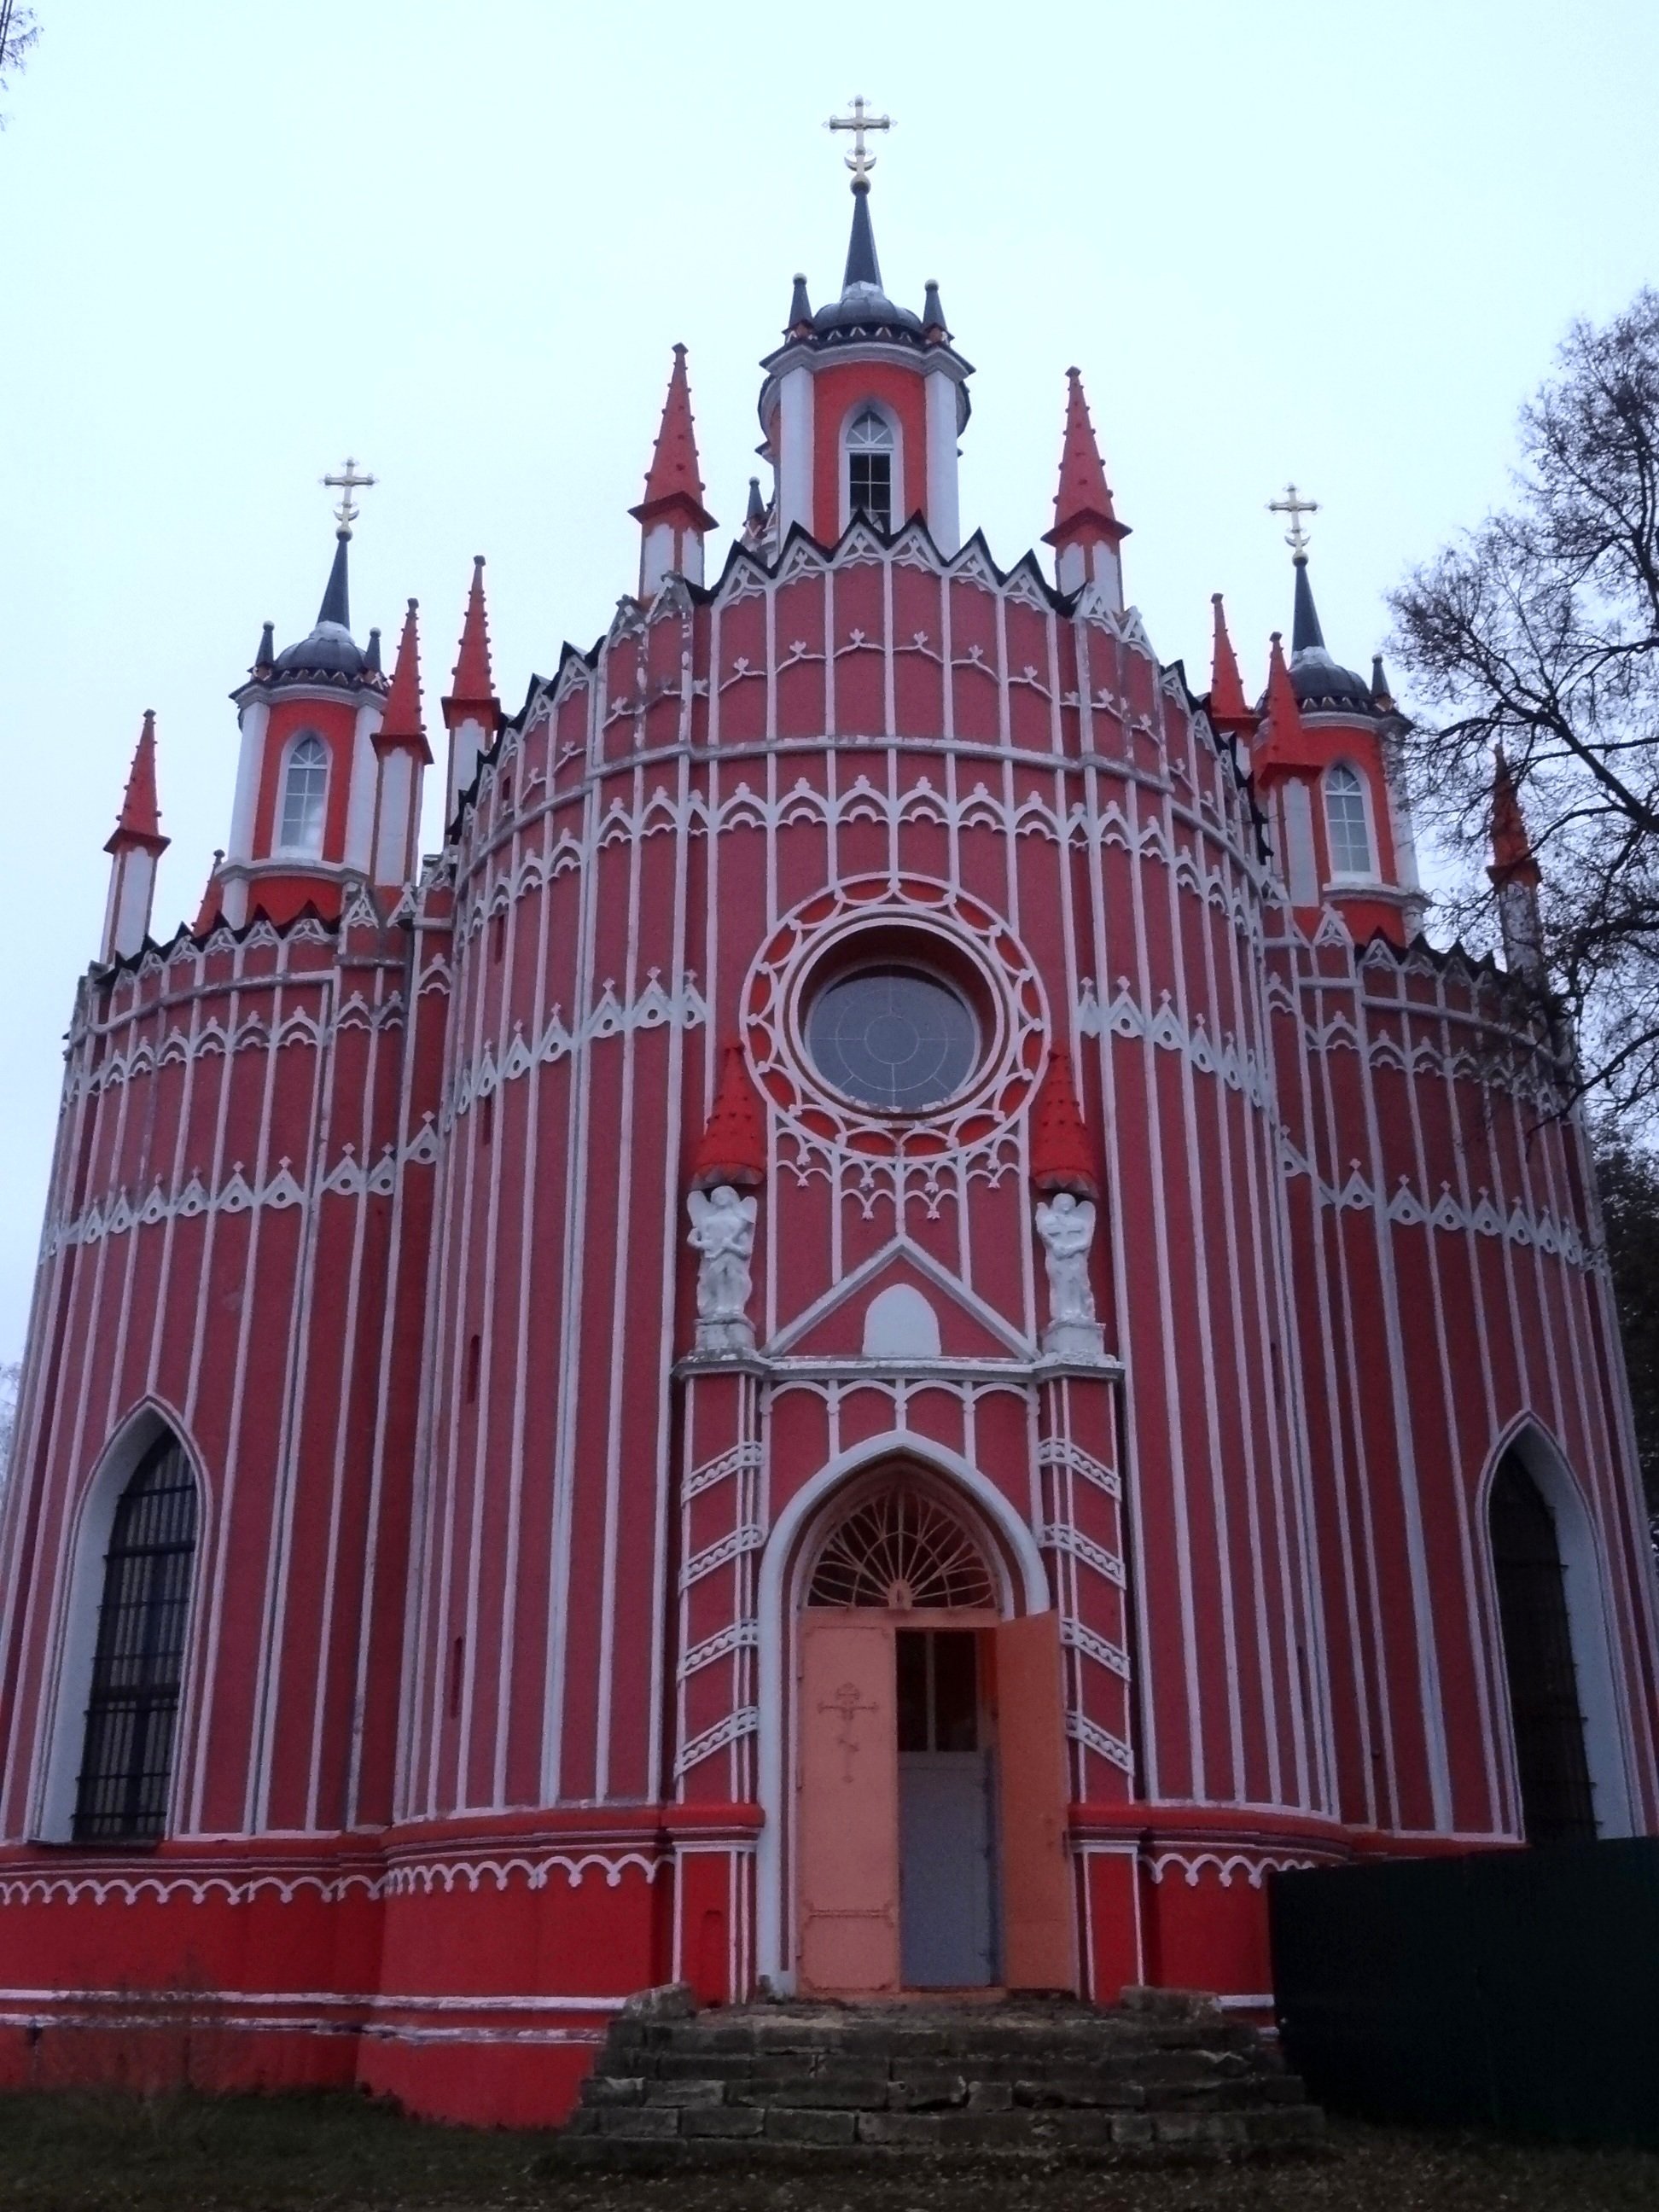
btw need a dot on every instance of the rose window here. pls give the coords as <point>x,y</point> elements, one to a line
<point>897,1039</point>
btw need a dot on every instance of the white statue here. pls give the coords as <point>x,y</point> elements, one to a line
<point>723,1237</point>
<point>1066,1226</point>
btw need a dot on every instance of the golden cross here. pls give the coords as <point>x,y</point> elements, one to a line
<point>346,483</point>
<point>1296,537</point>
<point>857,123</point>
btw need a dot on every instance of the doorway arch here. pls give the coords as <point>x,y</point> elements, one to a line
<point>1555,1644</point>
<point>995,1558</point>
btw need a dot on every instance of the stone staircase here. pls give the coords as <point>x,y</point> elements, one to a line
<point>1164,2075</point>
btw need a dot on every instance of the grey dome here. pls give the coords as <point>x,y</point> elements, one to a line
<point>1323,685</point>
<point>331,650</point>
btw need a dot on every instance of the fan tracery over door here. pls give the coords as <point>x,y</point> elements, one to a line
<point>902,1552</point>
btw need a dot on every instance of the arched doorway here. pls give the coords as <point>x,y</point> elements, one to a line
<point>929,1772</point>
<point>1539,1662</point>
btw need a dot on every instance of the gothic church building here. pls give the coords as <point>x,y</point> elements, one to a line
<point>891,1331</point>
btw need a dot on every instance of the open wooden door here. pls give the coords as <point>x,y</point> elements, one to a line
<point>1039,1917</point>
<point>846,1807</point>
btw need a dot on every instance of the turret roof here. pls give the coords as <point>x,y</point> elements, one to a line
<point>140,819</point>
<point>472,684</point>
<point>674,478</point>
<point>1083,496</point>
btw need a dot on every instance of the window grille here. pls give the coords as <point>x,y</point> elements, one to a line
<point>305,791</point>
<point>870,469</point>
<point>1556,1804</point>
<point>1345,823</point>
<point>127,1760</point>
<point>901,1550</point>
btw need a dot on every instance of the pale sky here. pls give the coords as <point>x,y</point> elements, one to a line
<point>1319,241</point>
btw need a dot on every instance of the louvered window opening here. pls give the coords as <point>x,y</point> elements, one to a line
<point>1556,1803</point>
<point>902,1552</point>
<point>132,1713</point>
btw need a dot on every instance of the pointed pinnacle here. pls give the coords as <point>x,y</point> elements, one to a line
<point>1229,708</point>
<point>402,720</point>
<point>140,819</point>
<point>1083,499</point>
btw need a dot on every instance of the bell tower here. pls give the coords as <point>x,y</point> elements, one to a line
<point>864,400</point>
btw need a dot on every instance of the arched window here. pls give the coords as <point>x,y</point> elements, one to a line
<point>870,468</point>
<point>305,791</point>
<point>899,1549</point>
<point>126,1760</point>
<point>1345,824</point>
<point>1545,1704</point>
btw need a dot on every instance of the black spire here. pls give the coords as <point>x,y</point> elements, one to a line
<point>371,654</point>
<point>337,606</point>
<point>862,267</point>
<point>757,513</point>
<point>1305,633</point>
<point>1381,697</point>
<point>933,315</point>
<point>800,308</point>
<point>267,652</point>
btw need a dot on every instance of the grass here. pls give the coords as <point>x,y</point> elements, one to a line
<point>110,2152</point>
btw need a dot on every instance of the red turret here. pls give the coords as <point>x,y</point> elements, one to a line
<point>671,516</point>
<point>402,752</point>
<point>472,712</point>
<point>1229,711</point>
<point>732,1146</point>
<point>1087,533</point>
<point>134,846</point>
<point>1060,1158</point>
<point>1515,875</point>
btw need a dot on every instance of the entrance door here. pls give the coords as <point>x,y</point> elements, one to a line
<point>1040,1920</point>
<point>947,1926</point>
<point>846,1807</point>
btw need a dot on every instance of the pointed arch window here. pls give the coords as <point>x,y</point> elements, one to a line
<point>1347,826</point>
<point>304,794</point>
<point>126,1763</point>
<point>870,468</point>
<point>1546,1703</point>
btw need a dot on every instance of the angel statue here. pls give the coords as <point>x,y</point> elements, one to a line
<point>723,1236</point>
<point>1066,1226</point>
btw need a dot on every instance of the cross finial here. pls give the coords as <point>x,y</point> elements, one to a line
<point>857,123</point>
<point>345,481</point>
<point>1296,506</point>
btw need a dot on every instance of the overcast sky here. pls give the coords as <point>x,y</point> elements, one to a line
<point>1319,241</point>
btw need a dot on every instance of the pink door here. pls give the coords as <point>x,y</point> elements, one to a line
<point>1038,1915</point>
<point>846,1807</point>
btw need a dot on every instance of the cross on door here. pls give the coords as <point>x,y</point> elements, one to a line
<point>848,1703</point>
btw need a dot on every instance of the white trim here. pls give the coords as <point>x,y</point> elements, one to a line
<point>943,514</point>
<point>775,1631</point>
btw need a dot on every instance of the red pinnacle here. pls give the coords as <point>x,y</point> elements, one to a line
<point>1282,739</point>
<point>1060,1143</point>
<point>402,723</point>
<point>1084,500</point>
<point>472,689</point>
<point>732,1147</point>
<point>1229,710</point>
<point>674,479</point>
<point>1512,860</point>
<point>140,822</point>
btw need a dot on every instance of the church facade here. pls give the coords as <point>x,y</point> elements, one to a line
<point>893,1330</point>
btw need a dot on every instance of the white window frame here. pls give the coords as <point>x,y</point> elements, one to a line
<point>1373,874</point>
<point>278,842</point>
<point>899,507</point>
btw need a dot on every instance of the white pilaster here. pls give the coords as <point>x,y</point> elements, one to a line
<point>943,507</point>
<point>794,443</point>
<point>256,718</point>
<point>360,800</point>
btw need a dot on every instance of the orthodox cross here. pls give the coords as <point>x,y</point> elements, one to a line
<point>857,123</point>
<point>848,1705</point>
<point>346,483</point>
<point>1293,505</point>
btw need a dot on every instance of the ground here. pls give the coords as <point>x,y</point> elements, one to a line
<point>341,2154</point>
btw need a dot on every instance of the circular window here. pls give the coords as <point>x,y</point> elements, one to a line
<point>898,1039</point>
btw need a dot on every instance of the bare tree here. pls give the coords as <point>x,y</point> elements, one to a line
<point>10,1376</point>
<point>1539,631</point>
<point>1629,1180</point>
<point>18,32</point>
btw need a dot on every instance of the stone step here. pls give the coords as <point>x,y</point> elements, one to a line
<point>1021,2078</point>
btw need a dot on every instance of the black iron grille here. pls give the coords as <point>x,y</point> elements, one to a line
<point>1556,1804</point>
<point>127,1760</point>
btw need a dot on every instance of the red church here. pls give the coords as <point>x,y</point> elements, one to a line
<point>892,1330</point>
